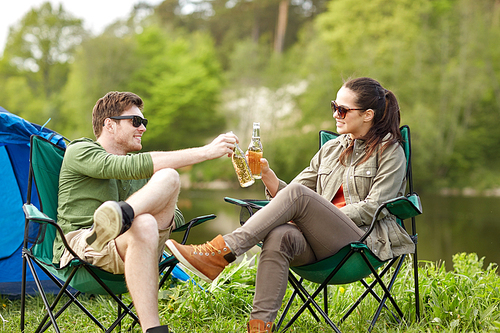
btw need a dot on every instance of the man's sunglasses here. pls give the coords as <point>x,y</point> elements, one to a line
<point>136,120</point>
<point>342,110</point>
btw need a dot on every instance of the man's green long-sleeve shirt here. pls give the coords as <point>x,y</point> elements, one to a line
<point>89,177</point>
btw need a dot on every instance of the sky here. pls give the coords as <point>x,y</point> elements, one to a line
<point>96,14</point>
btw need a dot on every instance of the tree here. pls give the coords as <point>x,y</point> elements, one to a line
<point>102,64</point>
<point>279,38</point>
<point>18,98</point>
<point>438,57</point>
<point>180,80</point>
<point>232,21</point>
<point>42,45</point>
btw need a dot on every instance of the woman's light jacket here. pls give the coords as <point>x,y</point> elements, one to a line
<point>366,186</point>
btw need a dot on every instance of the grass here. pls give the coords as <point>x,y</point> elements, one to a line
<point>465,299</point>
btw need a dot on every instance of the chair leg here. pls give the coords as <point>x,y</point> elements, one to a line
<point>310,298</point>
<point>128,309</point>
<point>309,301</point>
<point>44,299</point>
<point>50,317</point>
<point>387,294</point>
<point>325,298</point>
<point>112,295</point>
<point>369,290</point>
<point>417,293</point>
<point>166,275</point>
<point>63,289</point>
<point>296,292</point>
<point>23,294</point>
<point>285,311</point>
<point>73,299</point>
<point>294,282</point>
<point>119,315</point>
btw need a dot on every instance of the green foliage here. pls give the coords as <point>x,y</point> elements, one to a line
<point>230,22</point>
<point>41,45</point>
<point>35,63</point>
<point>294,151</point>
<point>18,97</point>
<point>180,82</point>
<point>214,69</point>
<point>248,62</point>
<point>101,64</point>
<point>466,299</point>
<point>438,58</point>
<point>219,169</point>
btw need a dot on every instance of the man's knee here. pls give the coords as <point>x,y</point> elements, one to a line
<point>170,176</point>
<point>144,229</point>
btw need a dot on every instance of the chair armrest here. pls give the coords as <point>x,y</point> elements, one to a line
<point>256,204</point>
<point>194,222</point>
<point>32,213</point>
<point>402,207</point>
<point>405,207</point>
<point>247,207</point>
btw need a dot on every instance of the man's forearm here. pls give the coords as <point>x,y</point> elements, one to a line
<point>220,146</point>
<point>179,158</point>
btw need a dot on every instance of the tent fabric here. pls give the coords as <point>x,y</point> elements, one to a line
<point>15,133</point>
<point>12,220</point>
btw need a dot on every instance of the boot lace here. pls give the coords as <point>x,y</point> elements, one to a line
<point>205,248</point>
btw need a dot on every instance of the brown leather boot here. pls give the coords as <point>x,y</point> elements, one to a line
<point>207,260</point>
<point>259,326</point>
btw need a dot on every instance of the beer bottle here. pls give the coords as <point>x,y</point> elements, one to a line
<point>241,167</point>
<point>255,152</point>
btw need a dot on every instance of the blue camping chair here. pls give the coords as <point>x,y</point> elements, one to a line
<point>78,277</point>
<point>354,262</point>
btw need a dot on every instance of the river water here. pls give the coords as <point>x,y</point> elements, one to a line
<point>448,225</point>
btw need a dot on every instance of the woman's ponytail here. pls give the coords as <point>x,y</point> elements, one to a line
<point>371,95</point>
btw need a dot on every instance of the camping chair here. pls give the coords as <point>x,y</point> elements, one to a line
<point>78,276</point>
<point>354,262</point>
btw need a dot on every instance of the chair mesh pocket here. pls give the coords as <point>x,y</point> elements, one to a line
<point>245,213</point>
<point>36,232</point>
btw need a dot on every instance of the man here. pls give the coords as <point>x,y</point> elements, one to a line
<point>112,216</point>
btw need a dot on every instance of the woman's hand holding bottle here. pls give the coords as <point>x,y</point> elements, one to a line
<point>269,178</point>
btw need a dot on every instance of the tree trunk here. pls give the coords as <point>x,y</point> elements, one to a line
<point>255,28</point>
<point>281,26</point>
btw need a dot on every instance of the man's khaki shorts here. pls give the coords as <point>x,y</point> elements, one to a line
<point>108,259</point>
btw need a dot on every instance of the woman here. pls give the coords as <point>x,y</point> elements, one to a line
<point>328,205</point>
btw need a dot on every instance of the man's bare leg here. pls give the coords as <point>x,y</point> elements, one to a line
<point>154,207</point>
<point>158,197</point>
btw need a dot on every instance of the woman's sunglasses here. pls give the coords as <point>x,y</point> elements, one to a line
<point>342,110</point>
<point>136,120</point>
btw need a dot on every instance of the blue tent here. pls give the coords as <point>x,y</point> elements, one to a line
<point>15,135</point>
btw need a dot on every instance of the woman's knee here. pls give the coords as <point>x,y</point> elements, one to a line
<point>295,190</point>
<point>286,239</point>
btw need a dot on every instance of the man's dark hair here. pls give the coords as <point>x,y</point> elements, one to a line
<point>112,104</point>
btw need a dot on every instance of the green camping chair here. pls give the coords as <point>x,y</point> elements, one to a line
<point>78,276</point>
<point>354,262</point>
